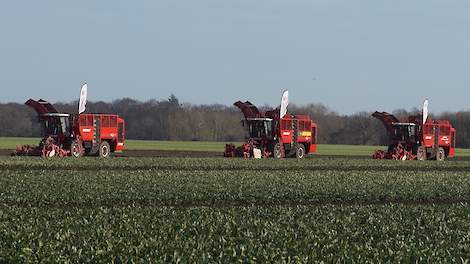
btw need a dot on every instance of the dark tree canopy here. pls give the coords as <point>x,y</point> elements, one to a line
<point>171,120</point>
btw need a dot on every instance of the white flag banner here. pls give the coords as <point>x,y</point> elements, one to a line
<point>284,103</point>
<point>83,95</point>
<point>425,111</point>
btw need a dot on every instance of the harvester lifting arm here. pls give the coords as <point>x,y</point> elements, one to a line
<point>387,119</point>
<point>41,106</point>
<point>248,109</point>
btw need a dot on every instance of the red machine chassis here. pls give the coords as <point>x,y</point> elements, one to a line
<point>74,134</point>
<point>289,136</point>
<point>435,139</point>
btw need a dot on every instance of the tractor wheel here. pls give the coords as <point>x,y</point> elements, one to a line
<point>421,153</point>
<point>441,155</point>
<point>300,151</point>
<point>105,149</point>
<point>76,150</point>
<point>277,151</point>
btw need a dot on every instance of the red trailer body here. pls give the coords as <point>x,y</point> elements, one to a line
<point>96,128</point>
<point>435,139</point>
<point>439,133</point>
<point>298,129</point>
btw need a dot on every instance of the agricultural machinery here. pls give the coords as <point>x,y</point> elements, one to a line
<point>274,133</point>
<point>418,138</point>
<point>74,134</point>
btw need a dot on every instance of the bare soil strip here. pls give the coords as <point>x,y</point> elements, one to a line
<point>212,154</point>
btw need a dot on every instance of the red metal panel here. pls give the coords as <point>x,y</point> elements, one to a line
<point>109,133</point>
<point>428,135</point>
<point>121,136</point>
<point>86,132</point>
<point>86,129</point>
<point>286,136</point>
<point>313,148</point>
<point>452,143</point>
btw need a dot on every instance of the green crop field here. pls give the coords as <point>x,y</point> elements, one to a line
<point>12,142</point>
<point>233,210</point>
<point>176,145</point>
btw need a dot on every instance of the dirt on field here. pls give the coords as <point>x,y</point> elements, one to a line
<point>213,154</point>
<point>5,152</point>
<point>152,153</point>
<point>205,154</point>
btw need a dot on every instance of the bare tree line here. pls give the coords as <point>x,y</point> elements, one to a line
<point>171,120</point>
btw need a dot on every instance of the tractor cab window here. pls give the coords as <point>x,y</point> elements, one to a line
<point>56,125</point>
<point>404,133</point>
<point>259,128</point>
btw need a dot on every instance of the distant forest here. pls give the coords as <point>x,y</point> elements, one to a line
<point>171,120</point>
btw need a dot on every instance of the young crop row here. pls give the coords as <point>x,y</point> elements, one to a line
<point>70,186</point>
<point>388,233</point>
<point>212,164</point>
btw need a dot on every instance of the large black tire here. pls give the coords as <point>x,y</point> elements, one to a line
<point>105,150</point>
<point>76,150</point>
<point>277,151</point>
<point>421,153</point>
<point>300,151</point>
<point>441,154</point>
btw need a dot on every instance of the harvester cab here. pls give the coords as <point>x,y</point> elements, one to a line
<point>404,132</point>
<point>259,128</point>
<point>55,124</point>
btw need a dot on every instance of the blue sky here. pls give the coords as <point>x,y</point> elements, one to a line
<point>348,55</point>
